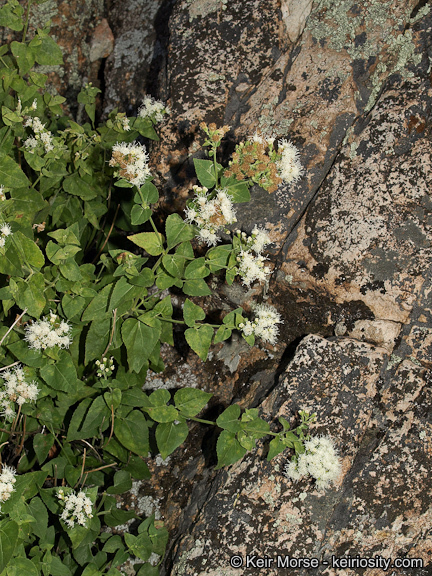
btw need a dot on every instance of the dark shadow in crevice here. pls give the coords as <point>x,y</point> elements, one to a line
<point>158,66</point>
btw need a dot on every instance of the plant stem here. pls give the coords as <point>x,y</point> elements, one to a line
<point>202,421</point>
<point>26,21</point>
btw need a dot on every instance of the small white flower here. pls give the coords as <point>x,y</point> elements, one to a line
<point>153,109</point>
<point>264,325</point>
<point>320,460</point>
<point>34,104</point>
<point>77,508</point>
<point>210,212</point>
<point>132,159</point>
<point>30,144</point>
<point>251,267</point>
<point>47,334</point>
<point>7,480</point>
<point>289,166</point>
<point>2,194</point>
<point>259,240</point>
<point>16,389</point>
<point>5,230</point>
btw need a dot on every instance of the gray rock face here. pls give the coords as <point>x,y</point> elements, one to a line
<point>380,420</point>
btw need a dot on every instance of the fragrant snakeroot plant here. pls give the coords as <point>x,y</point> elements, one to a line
<point>85,304</point>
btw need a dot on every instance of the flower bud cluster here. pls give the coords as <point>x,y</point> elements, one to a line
<point>7,481</point>
<point>214,134</point>
<point>16,390</point>
<point>257,160</point>
<point>41,136</point>
<point>5,231</point>
<point>264,325</point>
<point>2,194</point>
<point>250,260</point>
<point>47,333</point>
<point>105,368</point>
<point>132,161</point>
<point>77,508</point>
<point>210,212</point>
<point>320,460</point>
<point>153,109</point>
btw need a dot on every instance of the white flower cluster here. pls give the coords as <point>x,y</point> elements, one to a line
<point>5,231</point>
<point>320,460</point>
<point>7,480</point>
<point>132,159</point>
<point>41,135</point>
<point>153,109</point>
<point>210,213</point>
<point>16,389</point>
<point>78,508</point>
<point>2,194</point>
<point>251,262</point>
<point>264,325</point>
<point>289,166</point>
<point>105,368</point>
<point>48,333</point>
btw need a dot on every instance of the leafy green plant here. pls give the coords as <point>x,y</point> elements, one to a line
<point>84,274</point>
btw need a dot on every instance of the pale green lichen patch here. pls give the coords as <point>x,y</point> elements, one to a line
<point>375,29</point>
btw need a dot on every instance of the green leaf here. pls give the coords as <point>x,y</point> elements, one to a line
<point>139,340</point>
<point>205,172</point>
<point>97,338</point>
<point>192,313</point>
<point>137,468</point>
<point>38,509</point>
<point>133,433</point>
<point>46,50</point>
<point>199,339</point>
<point>174,264</point>
<point>26,204</point>
<point>222,333</point>
<point>228,449</point>
<point>42,444</point>
<point>190,401</point>
<point>97,418</point>
<point>139,215</point>
<point>122,483</point>
<point>30,253</point>
<point>151,242</point>
<point>177,230</point>
<point>24,56</point>
<point>22,566</point>
<point>11,175</point>
<point>196,287</point>
<point>72,305</point>
<point>217,257</point>
<point>98,306</point>
<point>276,446</point>
<point>169,436</point>
<point>123,294</point>
<point>229,419</point>
<point>140,546</point>
<point>197,269</point>
<point>33,297</point>
<point>159,410</point>
<point>10,262</point>
<point>238,191</point>
<point>76,186</point>
<point>8,541</point>
<point>149,192</point>
<point>62,374</point>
